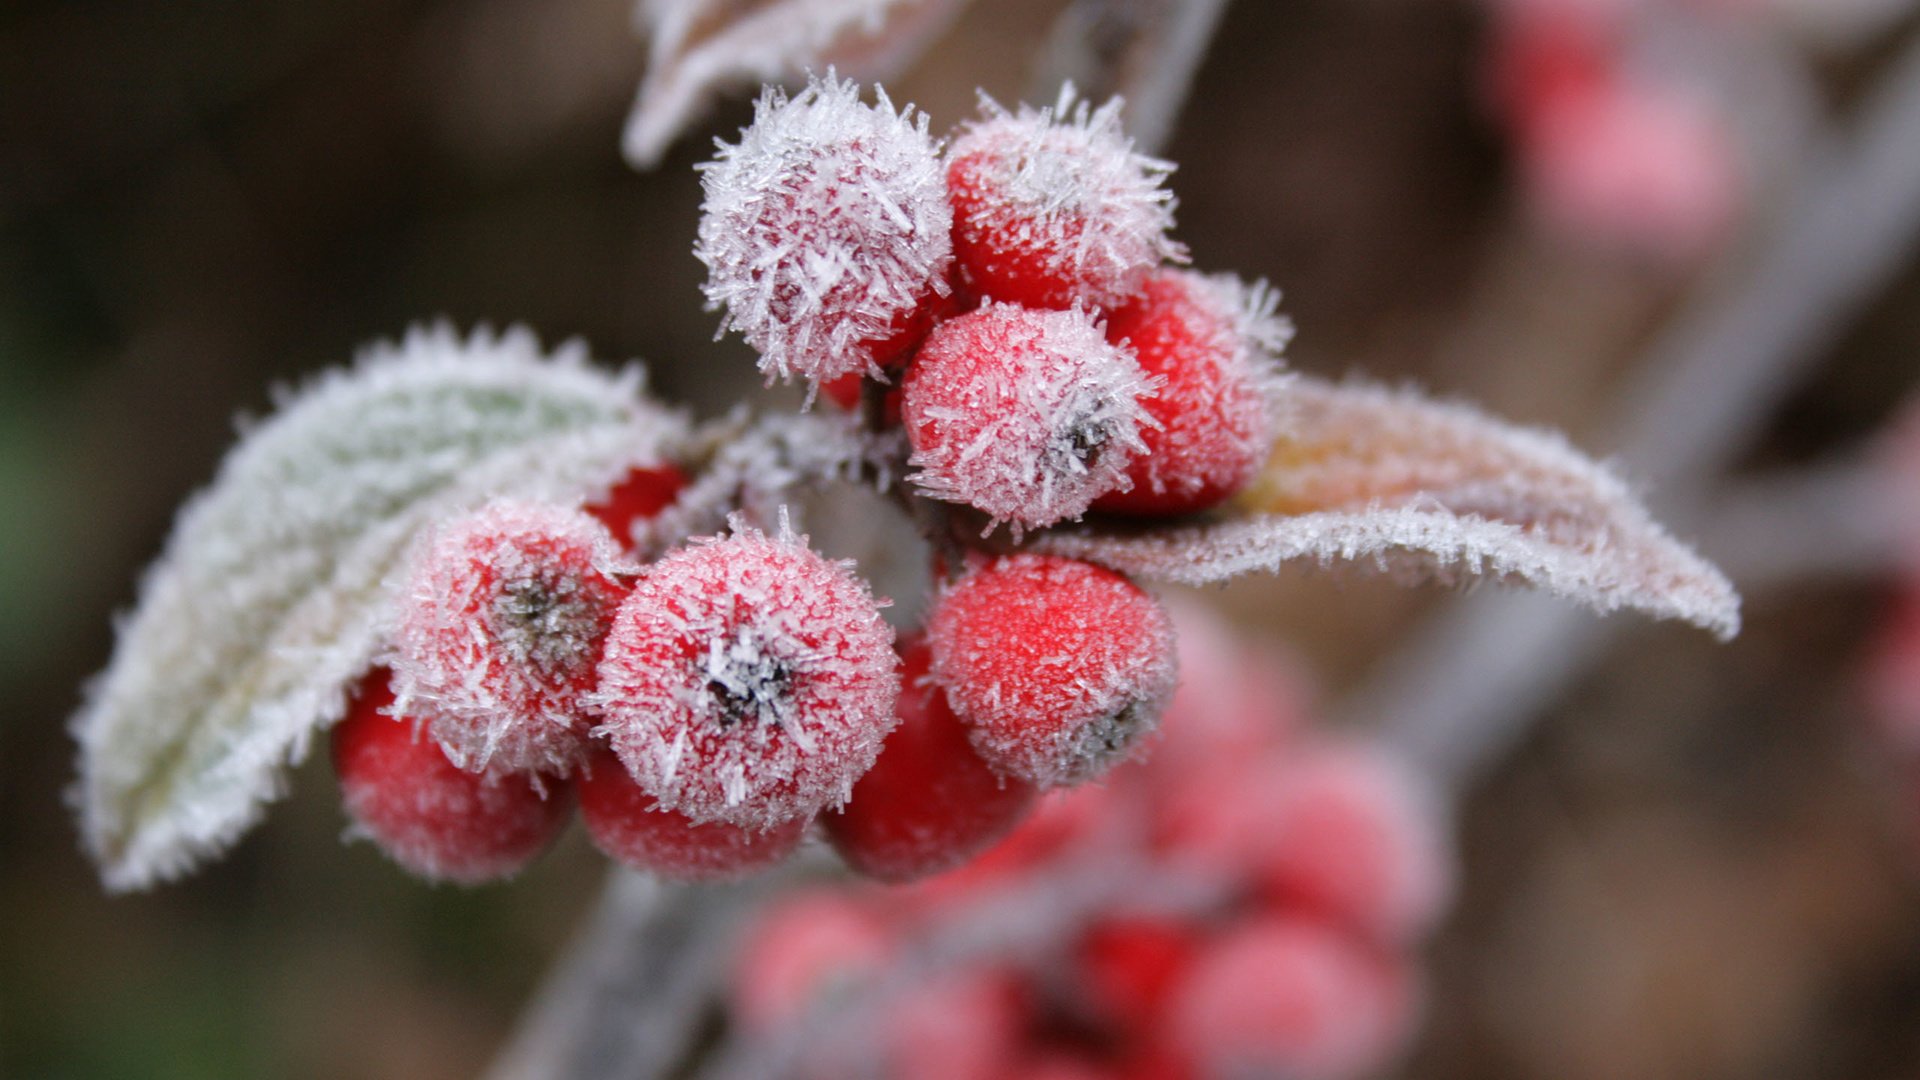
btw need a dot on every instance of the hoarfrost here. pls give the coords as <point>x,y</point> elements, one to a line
<point>1053,205</point>
<point>1425,489</point>
<point>1027,416</point>
<point>748,680</point>
<point>273,592</point>
<point>502,619</point>
<point>825,229</point>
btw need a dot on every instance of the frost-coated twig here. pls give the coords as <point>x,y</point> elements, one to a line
<point>1144,50</point>
<point>1463,691</point>
<point>1832,520</point>
<point>624,1000</point>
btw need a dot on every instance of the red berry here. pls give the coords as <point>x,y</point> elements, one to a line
<point>500,632</point>
<point>625,824</point>
<point>1059,666</point>
<point>638,497</point>
<point>1128,964</point>
<point>748,680</point>
<point>965,1026</point>
<point>433,818</point>
<point>803,950</point>
<point>1025,415</point>
<point>1231,703</point>
<point>1289,997</point>
<point>825,231</point>
<point>1214,342</point>
<point>1053,207</point>
<point>929,802</point>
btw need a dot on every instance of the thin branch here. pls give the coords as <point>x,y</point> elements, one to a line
<point>1144,50</point>
<point>1832,520</point>
<point>1462,693</point>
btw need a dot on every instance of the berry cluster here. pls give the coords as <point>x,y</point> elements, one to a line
<point>1327,873</point>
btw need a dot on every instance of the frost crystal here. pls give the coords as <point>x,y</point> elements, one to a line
<point>748,680</point>
<point>1054,206</point>
<point>1025,415</point>
<point>825,230</point>
<point>500,633</point>
<point>273,592</point>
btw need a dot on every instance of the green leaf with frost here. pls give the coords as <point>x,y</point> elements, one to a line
<point>275,591</point>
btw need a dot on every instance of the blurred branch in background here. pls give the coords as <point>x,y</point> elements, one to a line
<point>1143,50</point>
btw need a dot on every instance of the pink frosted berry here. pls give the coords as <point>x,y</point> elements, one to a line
<point>1289,997</point>
<point>500,632</point>
<point>826,231</point>
<point>1215,344</point>
<point>625,824</point>
<point>1027,416</point>
<point>433,818</point>
<point>1054,207</point>
<point>748,680</point>
<point>804,951</point>
<point>1059,666</point>
<point>929,802</point>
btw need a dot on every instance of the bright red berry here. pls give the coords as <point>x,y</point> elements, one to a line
<point>500,631</point>
<point>1054,207</point>
<point>748,680</point>
<point>433,818</point>
<point>1214,342</point>
<point>625,824</point>
<point>1025,415</point>
<point>1059,666</point>
<point>802,951</point>
<point>929,802</point>
<point>1289,997</point>
<point>826,231</point>
<point>1128,965</point>
<point>639,496</point>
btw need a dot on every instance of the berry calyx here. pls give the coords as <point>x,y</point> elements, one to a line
<point>747,680</point>
<point>1058,666</point>
<point>825,231</point>
<point>639,496</point>
<point>624,822</point>
<point>928,803</point>
<point>1027,416</point>
<point>435,819</point>
<point>1214,342</point>
<point>1053,207</point>
<point>500,631</point>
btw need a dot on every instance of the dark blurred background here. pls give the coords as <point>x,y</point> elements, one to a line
<point>1695,865</point>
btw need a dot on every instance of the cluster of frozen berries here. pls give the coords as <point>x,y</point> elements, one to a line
<point>1329,871</point>
<point>1007,298</point>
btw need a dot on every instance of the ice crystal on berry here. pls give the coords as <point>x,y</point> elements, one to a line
<point>1027,416</point>
<point>1053,206</point>
<point>500,634</point>
<point>825,230</point>
<point>748,680</point>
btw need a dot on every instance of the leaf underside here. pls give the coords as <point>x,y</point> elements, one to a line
<point>273,593</point>
<point>703,47</point>
<point>1423,489</point>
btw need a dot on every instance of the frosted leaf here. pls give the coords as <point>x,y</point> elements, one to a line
<point>1053,206</point>
<point>1430,490</point>
<point>747,680</point>
<point>1024,415</point>
<point>701,47</point>
<point>502,619</point>
<point>273,592</point>
<point>825,231</point>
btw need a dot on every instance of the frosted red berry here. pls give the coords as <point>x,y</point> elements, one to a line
<point>748,680</point>
<point>1053,207</point>
<point>1027,416</point>
<point>624,822</point>
<point>802,952</point>
<point>639,496</point>
<point>1289,997</point>
<point>499,635</point>
<point>1214,342</point>
<point>1058,666</point>
<point>430,816</point>
<point>826,231</point>
<point>929,803</point>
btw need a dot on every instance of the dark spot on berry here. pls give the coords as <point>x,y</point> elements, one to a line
<point>750,692</point>
<point>1108,739</point>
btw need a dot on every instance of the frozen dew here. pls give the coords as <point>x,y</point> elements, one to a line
<point>825,231</point>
